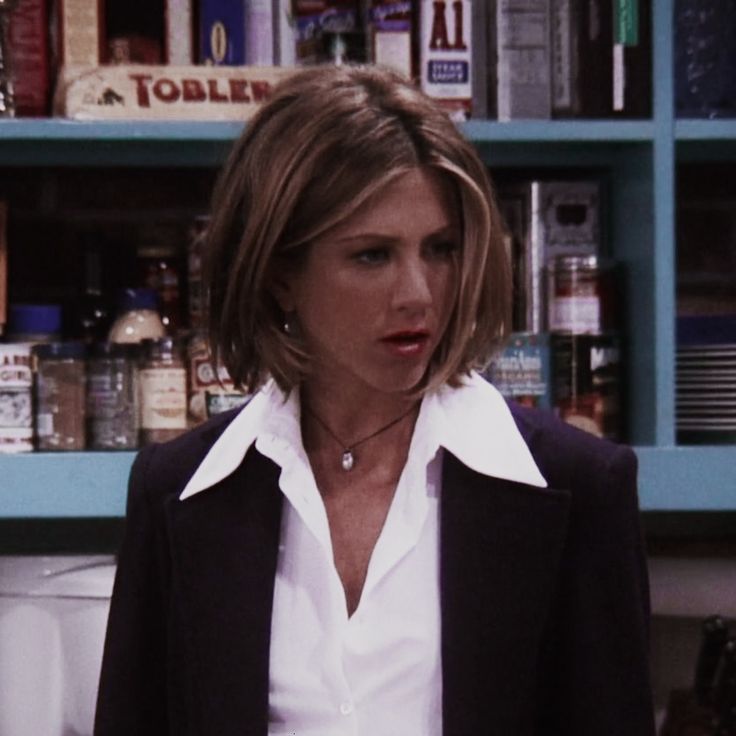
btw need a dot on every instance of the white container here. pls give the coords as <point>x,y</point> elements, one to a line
<point>53,616</point>
<point>138,317</point>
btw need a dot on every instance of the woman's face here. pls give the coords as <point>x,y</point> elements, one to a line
<point>374,297</point>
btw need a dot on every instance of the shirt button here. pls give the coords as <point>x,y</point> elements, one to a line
<point>346,708</point>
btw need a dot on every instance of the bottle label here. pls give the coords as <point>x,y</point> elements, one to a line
<point>163,398</point>
<point>579,315</point>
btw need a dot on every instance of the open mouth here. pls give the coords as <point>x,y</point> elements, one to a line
<point>408,342</point>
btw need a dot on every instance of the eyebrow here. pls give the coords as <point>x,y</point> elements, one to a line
<point>444,231</point>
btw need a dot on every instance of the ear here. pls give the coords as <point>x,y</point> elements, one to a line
<point>282,289</point>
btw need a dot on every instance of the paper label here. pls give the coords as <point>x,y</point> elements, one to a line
<point>446,51</point>
<point>579,315</point>
<point>163,398</point>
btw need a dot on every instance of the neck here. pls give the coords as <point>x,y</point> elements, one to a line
<point>378,431</point>
<point>352,414</point>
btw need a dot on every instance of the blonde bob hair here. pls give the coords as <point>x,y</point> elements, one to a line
<point>325,142</point>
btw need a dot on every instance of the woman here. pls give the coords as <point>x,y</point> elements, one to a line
<point>377,543</point>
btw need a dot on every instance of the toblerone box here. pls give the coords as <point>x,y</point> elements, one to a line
<point>142,92</point>
<point>446,54</point>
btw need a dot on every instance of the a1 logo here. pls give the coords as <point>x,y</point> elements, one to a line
<point>439,40</point>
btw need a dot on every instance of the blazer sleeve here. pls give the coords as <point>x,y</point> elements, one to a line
<point>132,690</point>
<point>595,677</point>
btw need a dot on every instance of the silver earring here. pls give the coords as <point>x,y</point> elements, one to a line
<point>288,324</point>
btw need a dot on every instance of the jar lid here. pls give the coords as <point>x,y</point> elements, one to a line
<point>60,350</point>
<point>34,319</point>
<point>114,350</point>
<point>129,299</point>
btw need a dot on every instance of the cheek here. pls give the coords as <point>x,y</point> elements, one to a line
<point>444,287</point>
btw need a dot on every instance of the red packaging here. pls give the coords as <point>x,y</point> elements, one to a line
<point>28,40</point>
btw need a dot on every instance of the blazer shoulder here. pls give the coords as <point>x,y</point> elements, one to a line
<point>568,457</point>
<point>165,468</point>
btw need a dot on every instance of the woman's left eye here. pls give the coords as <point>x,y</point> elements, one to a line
<point>372,256</point>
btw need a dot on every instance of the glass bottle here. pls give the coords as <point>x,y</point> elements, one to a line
<point>112,400</point>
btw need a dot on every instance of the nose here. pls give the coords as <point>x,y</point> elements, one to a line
<point>412,292</point>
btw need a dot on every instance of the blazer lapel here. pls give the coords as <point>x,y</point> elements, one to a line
<point>224,545</point>
<point>500,543</point>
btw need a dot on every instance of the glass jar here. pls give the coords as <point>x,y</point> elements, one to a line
<point>60,396</point>
<point>138,317</point>
<point>581,296</point>
<point>16,398</point>
<point>162,382</point>
<point>112,400</point>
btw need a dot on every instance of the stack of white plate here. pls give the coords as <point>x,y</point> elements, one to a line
<point>706,390</point>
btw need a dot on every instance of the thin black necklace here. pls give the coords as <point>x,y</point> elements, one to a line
<point>348,458</point>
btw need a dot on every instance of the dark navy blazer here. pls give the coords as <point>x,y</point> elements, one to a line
<point>544,595</point>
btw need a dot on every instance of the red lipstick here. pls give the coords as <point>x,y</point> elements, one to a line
<point>407,343</point>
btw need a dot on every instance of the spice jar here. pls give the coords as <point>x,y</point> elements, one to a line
<point>60,396</point>
<point>112,400</point>
<point>581,296</point>
<point>16,385</point>
<point>162,382</point>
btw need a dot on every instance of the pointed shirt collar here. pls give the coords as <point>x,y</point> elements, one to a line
<point>473,422</point>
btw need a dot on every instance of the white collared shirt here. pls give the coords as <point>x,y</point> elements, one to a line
<point>379,672</point>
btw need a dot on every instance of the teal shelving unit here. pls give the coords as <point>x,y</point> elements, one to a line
<point>640,159</point>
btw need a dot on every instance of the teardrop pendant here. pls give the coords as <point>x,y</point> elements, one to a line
<point>347,460</point>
